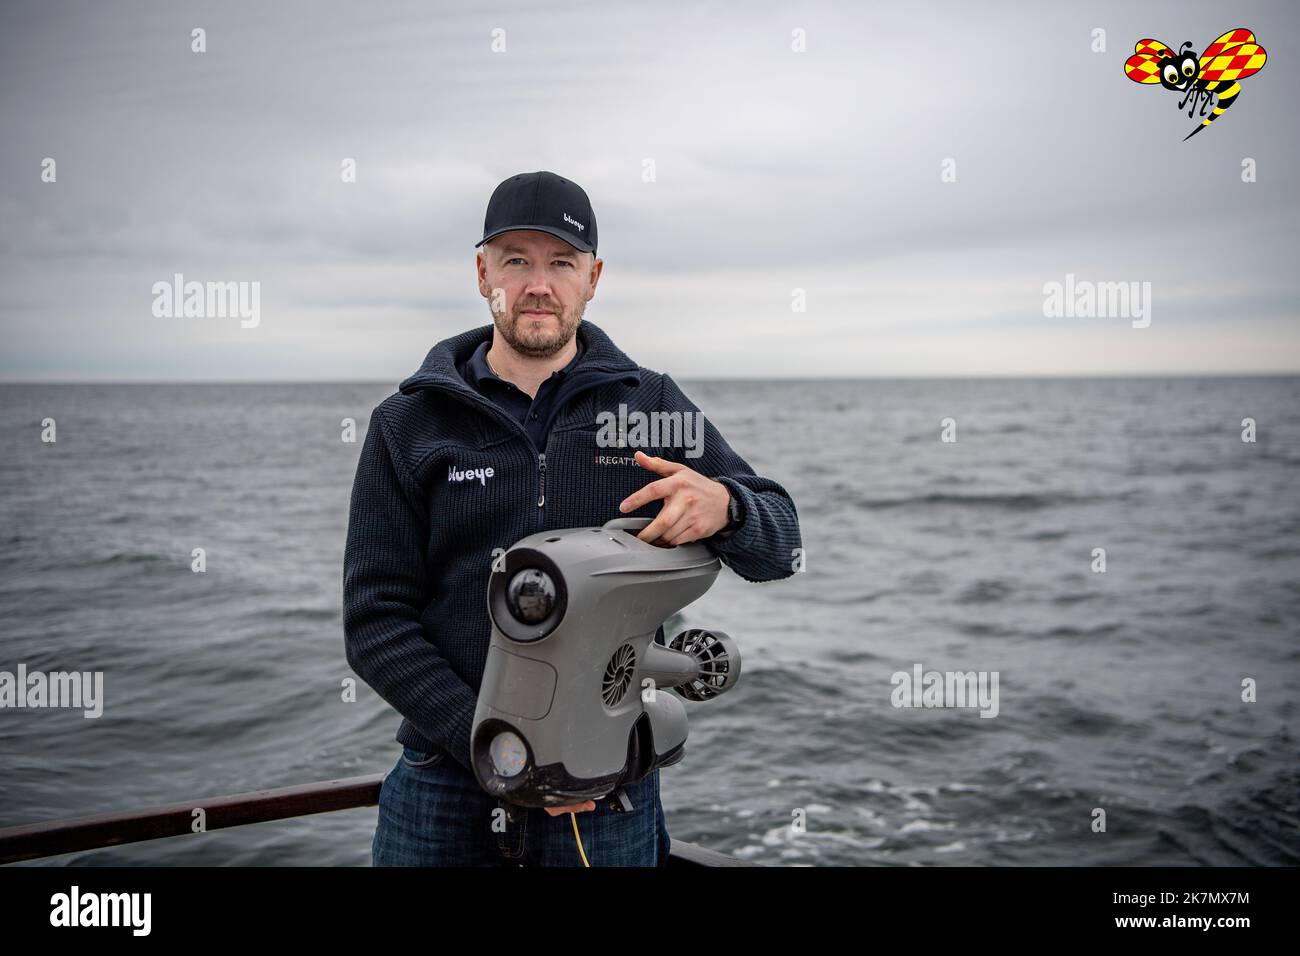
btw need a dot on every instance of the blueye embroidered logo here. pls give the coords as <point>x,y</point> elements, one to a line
<point>573,222</point>
<point>1214,74</point>
<point>469,474</point>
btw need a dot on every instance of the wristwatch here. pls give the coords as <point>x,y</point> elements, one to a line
<point>735,516</point>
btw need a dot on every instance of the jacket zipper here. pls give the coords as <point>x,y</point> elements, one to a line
<point>541,488</point>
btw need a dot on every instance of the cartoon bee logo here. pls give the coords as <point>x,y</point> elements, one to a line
<point>1214,74</point>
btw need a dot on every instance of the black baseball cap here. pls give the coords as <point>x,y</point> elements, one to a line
<point>544,202</point>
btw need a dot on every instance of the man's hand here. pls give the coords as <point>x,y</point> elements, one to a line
<point>571,808</point>
<point>694,506</point>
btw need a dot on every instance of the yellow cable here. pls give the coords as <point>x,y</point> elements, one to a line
<point>578,836</point>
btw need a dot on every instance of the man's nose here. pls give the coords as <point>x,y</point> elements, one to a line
<point>537,284</point>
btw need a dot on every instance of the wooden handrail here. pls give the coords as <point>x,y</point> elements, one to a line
<point>52,838</point>
<point>34,840</point>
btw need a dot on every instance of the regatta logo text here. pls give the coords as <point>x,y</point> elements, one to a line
<point>103,909</point>
<point>946,689</point>
<point>482,474</point>
<point>655,429</point>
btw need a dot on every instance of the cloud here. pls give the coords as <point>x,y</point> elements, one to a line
<point>774,171</point>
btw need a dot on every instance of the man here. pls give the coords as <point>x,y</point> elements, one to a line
<point>496,437</point>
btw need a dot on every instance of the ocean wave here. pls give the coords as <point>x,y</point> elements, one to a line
<point>985,591</point>
<point>1010,501</point>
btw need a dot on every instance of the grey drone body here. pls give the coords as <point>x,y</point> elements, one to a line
<point>573,703</point>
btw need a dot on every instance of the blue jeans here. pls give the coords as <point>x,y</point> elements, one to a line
<point>432,812</point>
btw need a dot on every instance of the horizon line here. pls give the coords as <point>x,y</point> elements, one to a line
<point>1081,376</point>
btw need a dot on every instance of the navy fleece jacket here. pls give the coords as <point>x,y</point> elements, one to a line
<point>446,478</point>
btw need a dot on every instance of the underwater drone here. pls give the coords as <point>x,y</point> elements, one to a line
<point>573,702</point>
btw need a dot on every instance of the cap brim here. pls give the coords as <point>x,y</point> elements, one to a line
<point>549,230</point>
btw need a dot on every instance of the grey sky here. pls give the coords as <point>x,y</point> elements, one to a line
<point>775,170</point>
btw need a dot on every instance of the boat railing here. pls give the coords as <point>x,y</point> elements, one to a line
<point>78,834</point>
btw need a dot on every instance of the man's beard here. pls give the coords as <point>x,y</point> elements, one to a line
<point>541,342</point>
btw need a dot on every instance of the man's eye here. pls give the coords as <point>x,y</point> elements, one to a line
<point>561,261</point>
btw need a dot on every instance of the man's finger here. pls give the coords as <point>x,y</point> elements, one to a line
<point>680,530</point>
<point>646,494</point>
<point>660,466</point>
<point>572,808</point>
<point>668,516</point>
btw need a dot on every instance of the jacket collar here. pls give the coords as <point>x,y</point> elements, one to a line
<point>601,360</point>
